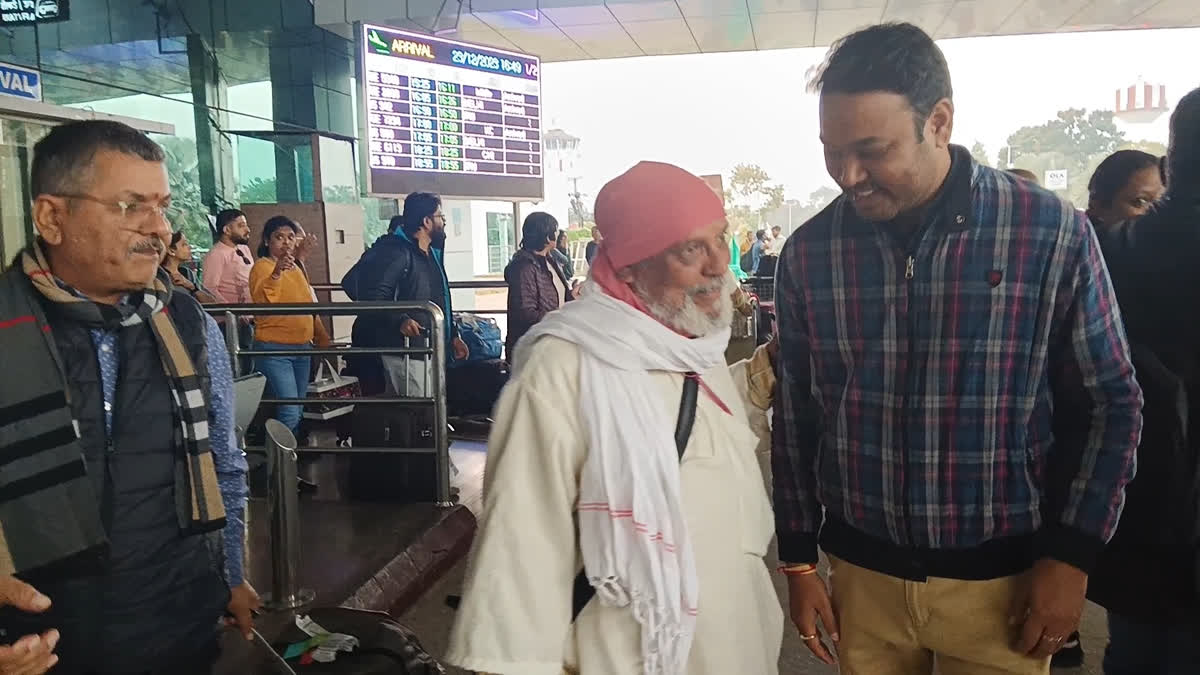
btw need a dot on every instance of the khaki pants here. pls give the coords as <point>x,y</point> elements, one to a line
<point>891,626</point>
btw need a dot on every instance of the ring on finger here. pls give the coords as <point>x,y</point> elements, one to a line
<point>807,638</point>
<point>1052,640</point>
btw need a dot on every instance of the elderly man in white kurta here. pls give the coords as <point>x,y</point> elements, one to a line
<point>584,471</point>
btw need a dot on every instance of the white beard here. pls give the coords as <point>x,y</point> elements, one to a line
<point>690,319</point>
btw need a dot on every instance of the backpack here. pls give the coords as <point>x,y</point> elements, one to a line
<point>352,280</point>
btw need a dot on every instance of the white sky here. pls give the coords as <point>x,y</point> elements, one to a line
<point>708,112</point>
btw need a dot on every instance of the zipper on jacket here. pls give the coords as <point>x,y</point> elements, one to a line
<point>110,449</point>
<point>910,379</point>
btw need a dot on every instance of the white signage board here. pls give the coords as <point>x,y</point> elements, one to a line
<point>1056,179</point>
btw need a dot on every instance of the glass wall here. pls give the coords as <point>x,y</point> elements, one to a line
<point>16,151</point>
<point>208,69</point>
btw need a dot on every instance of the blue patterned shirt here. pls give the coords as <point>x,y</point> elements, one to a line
<point>229,459</point>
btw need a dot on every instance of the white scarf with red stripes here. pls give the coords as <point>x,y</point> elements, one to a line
<point>632,531</point>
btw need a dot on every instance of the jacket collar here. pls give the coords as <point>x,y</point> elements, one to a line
<point>950,209</point>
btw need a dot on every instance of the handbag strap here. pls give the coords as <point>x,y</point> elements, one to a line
<point>583,591</point>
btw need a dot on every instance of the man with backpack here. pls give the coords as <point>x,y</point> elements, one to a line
<point>405,265</point>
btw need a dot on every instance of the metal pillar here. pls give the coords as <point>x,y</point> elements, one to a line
<point>283,511</point>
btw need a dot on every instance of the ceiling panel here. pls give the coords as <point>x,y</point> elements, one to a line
<point>548,43</point>
<point>514,19</point>
<point>926,15</point>
<point>644,11</point>
<point>662,37</point>
<point>833,24</point>
<point>1033,16</point>
<point>723,34</point>
<point>469,23</point>
<point>579,16</point>
<point>478,6</point>
<point>692,8</point>
<point>852,4</point>
<point>778,6</point>
<point>977,17</point>
<point>1106,13</point>
<point>607,41</point>
<point>1170,13</point>
<point>619,28</point>
<point>784,30</point>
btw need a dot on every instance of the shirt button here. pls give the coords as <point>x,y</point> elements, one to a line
<point>107,407</point>
<point>105,348</point>
<point>959,219</point>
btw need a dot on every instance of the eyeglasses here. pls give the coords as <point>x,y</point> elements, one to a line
<point>129,210</point>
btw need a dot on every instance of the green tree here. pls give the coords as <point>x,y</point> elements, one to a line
<point>1071,141</point>
<point>188,212</point>
<point>258,190</point>
<point>980,154</point>
<point>750,197</point>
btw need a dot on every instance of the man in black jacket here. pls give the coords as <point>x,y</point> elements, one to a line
<point>1146,577</point>
<point>123,490</point>
<point>405,265</point>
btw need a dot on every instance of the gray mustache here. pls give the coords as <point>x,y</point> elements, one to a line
<point>148,246</point>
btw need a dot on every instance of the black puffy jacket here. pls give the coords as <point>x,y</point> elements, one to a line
<point>160,594</point>
<point>396,269</point>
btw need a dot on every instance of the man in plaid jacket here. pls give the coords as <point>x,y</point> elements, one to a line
<point>930,319</point>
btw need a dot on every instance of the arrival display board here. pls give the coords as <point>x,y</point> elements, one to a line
<point>452,118</point>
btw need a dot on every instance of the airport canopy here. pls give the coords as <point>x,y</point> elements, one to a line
<point>572,30</point>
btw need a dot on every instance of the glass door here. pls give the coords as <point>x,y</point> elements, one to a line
<point>17,138</point>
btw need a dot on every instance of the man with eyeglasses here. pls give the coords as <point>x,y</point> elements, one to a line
<point>122,491</point>
<point>405,265</point>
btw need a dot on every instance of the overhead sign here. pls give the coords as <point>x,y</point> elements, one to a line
<point>449,117</point>
<point>1056,179</point>
<point>20,82</point>
<point>25,12</point>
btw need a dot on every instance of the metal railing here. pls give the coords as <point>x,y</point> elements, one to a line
<point>454,286</point>
<point>435,371</point>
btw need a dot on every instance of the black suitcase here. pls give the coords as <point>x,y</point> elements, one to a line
<point>392,477</point>
<point>473,388</point>
<point>385,646</point>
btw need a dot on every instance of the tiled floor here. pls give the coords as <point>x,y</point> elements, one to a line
<point>431,618</point>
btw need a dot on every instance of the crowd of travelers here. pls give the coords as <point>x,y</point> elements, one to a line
<point>978,407</point>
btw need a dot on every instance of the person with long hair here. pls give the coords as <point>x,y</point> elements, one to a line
<point>1123,187</point>
<point>537,285</point>
<point>561,252</point>
<point>179,251</point>
<point>276,279</point>
<point>1147,575</point>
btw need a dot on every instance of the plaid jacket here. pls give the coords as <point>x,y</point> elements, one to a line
<point>918,383</point>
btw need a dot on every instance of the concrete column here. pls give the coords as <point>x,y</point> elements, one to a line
<point>215,152</point>
<point>311,71</point>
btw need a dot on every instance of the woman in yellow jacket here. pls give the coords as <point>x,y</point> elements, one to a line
<point>276,279</point>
